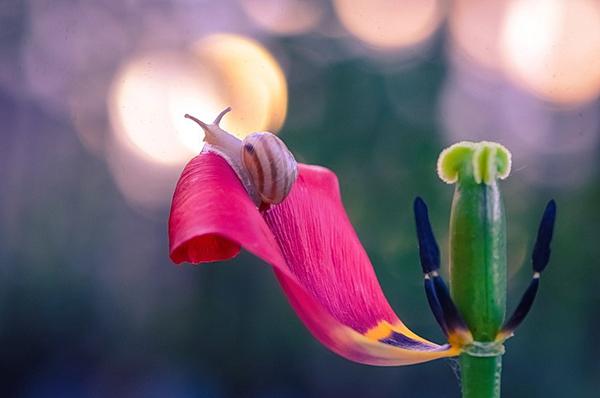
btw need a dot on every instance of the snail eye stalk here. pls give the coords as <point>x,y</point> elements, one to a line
<point>539,259</point>
<point>438,296</point>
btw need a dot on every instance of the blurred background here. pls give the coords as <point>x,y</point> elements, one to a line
<point>92,97</point>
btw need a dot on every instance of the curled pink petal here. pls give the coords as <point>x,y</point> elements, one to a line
<point>211,215</point>
<point>317,257</point>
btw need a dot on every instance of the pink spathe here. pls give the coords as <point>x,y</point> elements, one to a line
<point>313,248</point>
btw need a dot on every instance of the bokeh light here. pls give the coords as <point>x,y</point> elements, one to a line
<point>474,27</point>
<point>152,92</point>
<point>539,136</point>
<point>552,47</point>
<point>284,17</point>
<point>389,24</point>
<point>149,98</point>
<point>250,81</point>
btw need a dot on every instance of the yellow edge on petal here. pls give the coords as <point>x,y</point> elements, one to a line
<point>384,329</point>
<point>363,349</point>
<point>372,351</point>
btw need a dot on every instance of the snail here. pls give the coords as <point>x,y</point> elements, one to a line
<point>262,161</point>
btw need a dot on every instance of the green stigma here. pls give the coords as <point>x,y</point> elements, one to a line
<point>483,161</point>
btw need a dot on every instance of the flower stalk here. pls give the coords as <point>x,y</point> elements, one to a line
<point>478,258</point>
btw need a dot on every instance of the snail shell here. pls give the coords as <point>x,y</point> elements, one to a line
<point>270,165</point>
<point>263,163</point>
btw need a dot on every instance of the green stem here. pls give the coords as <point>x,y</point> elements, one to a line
<point>480,376</point>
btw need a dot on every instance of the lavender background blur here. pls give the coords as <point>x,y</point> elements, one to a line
<point>93,139</point>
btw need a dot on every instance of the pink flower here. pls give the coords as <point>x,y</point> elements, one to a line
<point>313,249</point>
<point>307,239</point>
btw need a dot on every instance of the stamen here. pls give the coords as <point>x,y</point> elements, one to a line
<point>521,311</point>
<point>541,250</point>
<point>434,303</point>
<point>539,260</point>
<point>438,297</point>
<point>455,324</point>
<point>428,248</point>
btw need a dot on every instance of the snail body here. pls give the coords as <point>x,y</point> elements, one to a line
<point>262,161</point>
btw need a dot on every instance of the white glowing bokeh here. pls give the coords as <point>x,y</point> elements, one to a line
<point>186,96</point>
<point>390,24</point>
<point>149,99</point>
<point>151,93</point>
<point>251,80</point>
<point>284,17</point>
<point>552,48</point>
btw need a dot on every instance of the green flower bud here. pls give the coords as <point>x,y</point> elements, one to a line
<point>478,254</point>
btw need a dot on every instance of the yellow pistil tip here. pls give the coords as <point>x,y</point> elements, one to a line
<point>485,160</point>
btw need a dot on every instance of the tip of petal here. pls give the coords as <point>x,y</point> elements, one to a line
<point>365,350</point>
<point>204,249</point>
<point>207,192</point>
<point>321,177</point>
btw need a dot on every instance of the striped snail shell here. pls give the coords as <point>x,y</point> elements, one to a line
<point>263,163</point>
<point>270,166</point>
